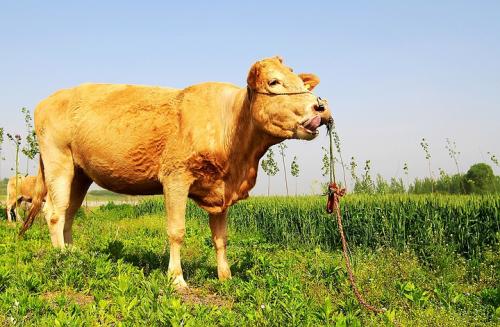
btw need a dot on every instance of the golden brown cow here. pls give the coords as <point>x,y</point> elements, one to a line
<point>25,192</point>
<point>202,142</point>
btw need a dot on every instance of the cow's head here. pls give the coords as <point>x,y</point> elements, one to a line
<point>281,102</point>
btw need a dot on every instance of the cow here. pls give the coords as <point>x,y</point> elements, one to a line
<point>25,189</point>
<point>202,142</point>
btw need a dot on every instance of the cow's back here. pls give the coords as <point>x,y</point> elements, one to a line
<point>28,186</point>
<point>11,186</point>
<point>116,133</point>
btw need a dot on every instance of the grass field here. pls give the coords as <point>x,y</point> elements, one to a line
<point>404,254</point>
<point>93,198</point>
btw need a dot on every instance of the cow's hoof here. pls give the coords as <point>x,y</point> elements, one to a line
<point>179,283</point>
<point>224,274</point>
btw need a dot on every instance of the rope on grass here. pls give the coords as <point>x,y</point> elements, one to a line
<point>335,192</point>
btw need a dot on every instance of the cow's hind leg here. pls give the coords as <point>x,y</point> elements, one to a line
<point>48,210</point>
<point>79,187</point>
<point>10,206</point>
<point>176,190</point>
<point>19,205</point>
<point>218,225</point>
<point>59,173</point>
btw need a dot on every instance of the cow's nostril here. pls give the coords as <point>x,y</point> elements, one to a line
<point>319,107</point>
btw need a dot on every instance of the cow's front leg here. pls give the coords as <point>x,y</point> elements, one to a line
<point>218,225</point>
<point>176,192</point>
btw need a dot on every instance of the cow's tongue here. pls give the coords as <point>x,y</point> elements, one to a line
<point>313,123</point>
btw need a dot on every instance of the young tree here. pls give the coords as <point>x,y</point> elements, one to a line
<point>352,169</point>
<point>294,169</point>
<point>480,179</point>
<point>17,143</point>
<point>1,158</point>
<point>493,159</point>
<point>397,186</point>
<point>451,146</point>
<point>368,185</point>
<point>406,171</point>
<point>282,147</point>
<point>327,168</point>
<point>336,141</point>
<point>30,150</point>
<point>425,146</point>
<point>381,185</point>
<point>270,167</point>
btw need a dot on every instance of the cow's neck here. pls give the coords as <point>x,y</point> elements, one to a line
<point>245,145</point>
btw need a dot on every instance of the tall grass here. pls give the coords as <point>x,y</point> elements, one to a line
<point>464,224</point>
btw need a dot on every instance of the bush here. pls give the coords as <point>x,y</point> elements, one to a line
<point>480,179</point>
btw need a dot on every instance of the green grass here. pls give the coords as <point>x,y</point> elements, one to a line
<point>105,195</point>
<point>463,224</point>
<point>93,196</point>
<point>116,272</point>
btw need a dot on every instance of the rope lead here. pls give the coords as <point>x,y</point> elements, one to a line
<point>334,194</point>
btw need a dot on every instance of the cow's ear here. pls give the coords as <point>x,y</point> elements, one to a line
<point>279,58</point>
<point>253,76</point>
<point>310,80</point>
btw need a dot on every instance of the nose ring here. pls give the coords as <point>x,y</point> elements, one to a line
<point>321,106</point>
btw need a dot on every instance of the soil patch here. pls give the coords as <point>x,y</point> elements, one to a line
<point>79,298</point>
<point>198,296</point>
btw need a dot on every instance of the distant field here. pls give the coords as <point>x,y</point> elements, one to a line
<point>93,198</point>
<point>282,275</point>
<point>103,196</point>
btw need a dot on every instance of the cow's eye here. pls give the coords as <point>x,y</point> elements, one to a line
<point>274,82</point>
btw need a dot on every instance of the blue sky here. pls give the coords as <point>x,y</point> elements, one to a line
<point>393,71</point>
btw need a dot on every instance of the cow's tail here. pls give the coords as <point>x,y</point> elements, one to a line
<point>37,201</point>
<point>7,209</point>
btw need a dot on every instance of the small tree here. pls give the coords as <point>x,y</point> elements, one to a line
<point>451,146</point>
<point>397,185</point>
<point>326,169</point>
<point>336,141</point>
<point>480,179</point>
<point>17,143</point>
<point>282,147</point>
<point>352,169</point>
<point>425,146</point>
<point>367,183</point>
<point>406,171</point>
<point>381,185</point>
<point>294,169</point>
<point>30,150</point>
<point>1,158</point>
<point>493,159</point>
<point>270,167</point>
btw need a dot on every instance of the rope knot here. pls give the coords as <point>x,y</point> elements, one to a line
<point>335,192</point>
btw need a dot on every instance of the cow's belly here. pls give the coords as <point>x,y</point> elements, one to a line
<point>128,186</point>
<point>121,173</point>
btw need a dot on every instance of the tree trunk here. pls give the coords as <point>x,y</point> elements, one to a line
<point>430,175</point>
<point>284,171</point>
<point>17,175</point>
